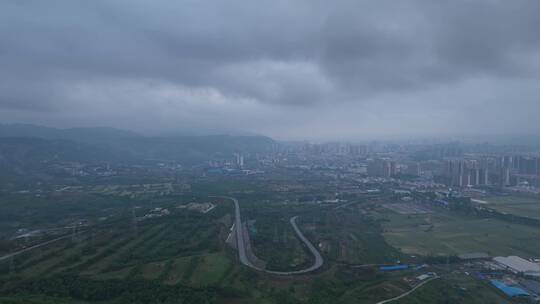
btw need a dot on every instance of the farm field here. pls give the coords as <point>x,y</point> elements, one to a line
<point>178,250</point>
<point>455,289</point>
<point>347,236</point>
<point>184,256</point>
<point>407,208</point>
<point>442,233</point>
<point>518,205</point>
<point>268,233</point>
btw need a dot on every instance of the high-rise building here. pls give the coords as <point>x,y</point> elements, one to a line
<point>413,169</point>
<point>382,168</point>
<point>484,176</point>
<point>239,160</point>
<point>465,173</point>
<point>528,165</point>
<point>505,177</point>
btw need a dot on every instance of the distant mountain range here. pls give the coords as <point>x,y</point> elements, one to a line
<point>77,134</point>
<point>22,143</point>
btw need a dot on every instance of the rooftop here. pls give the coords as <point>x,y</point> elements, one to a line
<point>518,264</point>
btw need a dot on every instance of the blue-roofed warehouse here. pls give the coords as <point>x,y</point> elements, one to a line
<point>393,267</point>
<point>509,290</point>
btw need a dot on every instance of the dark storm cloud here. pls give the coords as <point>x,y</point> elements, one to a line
<point>267,65</point>
<point>501,38</point>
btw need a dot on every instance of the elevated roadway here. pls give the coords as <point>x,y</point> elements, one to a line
<point>243,256</point>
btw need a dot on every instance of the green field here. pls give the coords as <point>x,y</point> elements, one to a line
<point>274,231</point>
<point>444,233</point>
<point>182,258</point>
<point>518,205</point>
<point>182,250</point>
<point>455,289</point>
<point>347,236</point>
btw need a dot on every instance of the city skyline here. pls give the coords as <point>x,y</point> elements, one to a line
<point>271,151</point>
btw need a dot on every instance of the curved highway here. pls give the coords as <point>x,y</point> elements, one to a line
<point>242,249</point>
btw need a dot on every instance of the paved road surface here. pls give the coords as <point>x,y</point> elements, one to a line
<point>7,256</point>
<point>242,249</point>
<point>240,246</point>
<point>408,292</point>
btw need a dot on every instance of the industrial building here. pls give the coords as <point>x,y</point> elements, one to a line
<point>394,267</point>
<point>511,291</point>
<point>532,286</point>
<point>518,265</point>
<point>473,256</point>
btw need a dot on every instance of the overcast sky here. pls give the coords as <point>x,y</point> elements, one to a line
<point>288,69</point>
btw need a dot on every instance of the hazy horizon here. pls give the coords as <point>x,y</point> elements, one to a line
<point>270,151</point>
<point>302,70</point>
<point>531,140</point>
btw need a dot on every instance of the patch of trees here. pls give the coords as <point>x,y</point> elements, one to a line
<point>115,291</point>
<point>442,259</point>
<point>483,212</point>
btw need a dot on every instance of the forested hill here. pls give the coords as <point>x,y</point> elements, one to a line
<point>29,143</point>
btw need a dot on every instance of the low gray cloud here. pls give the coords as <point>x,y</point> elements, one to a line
<point>289,69</point>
